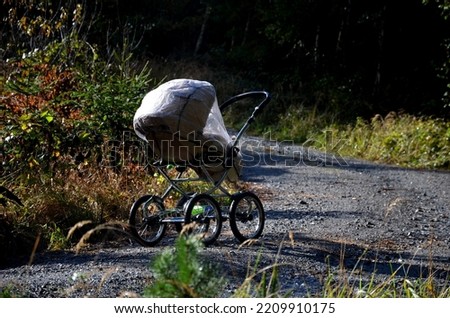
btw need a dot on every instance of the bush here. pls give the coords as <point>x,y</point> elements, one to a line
<point>66,108</point>
<point>184,273</point>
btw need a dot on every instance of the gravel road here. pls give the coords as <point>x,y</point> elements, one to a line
<point>324,213</point>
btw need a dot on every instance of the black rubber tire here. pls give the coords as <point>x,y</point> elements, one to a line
<point>180,205</point>
<point>145,224</point>
<point>204,221</point>
<point>247,216</point>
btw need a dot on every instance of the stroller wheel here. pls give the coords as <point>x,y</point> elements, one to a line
<point>145,220</point>
<point>247,216</point>
<point>203,212</point>
<point>180,205</point>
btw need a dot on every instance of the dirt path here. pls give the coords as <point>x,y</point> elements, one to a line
<point>324,213</point>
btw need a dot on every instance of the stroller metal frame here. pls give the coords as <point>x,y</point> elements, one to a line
<point>149,218</point>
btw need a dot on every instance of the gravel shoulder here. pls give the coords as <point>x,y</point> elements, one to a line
<point>323,212</point>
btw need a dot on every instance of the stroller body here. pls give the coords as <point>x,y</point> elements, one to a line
<point>183,125</point>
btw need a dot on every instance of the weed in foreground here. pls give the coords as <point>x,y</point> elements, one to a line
<point>182,272</point>
<point>262,282</point>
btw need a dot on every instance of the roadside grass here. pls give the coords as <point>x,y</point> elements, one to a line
<point>348,285</point>
<point>351,283</point>
<point>262,282</point>
<point>299,123</point>
<point>61,208</point>
<point>399,139</point>
<point>182,271</point>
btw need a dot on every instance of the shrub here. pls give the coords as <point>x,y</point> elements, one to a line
<point>183,272</point>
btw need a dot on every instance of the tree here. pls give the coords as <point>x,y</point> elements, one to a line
<point>444,6</point>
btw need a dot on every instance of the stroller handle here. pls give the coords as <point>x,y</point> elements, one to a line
<point>258,109</point>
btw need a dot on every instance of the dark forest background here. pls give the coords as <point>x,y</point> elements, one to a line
<point>375,56</point>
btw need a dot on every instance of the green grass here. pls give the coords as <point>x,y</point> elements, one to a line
<point>393,287</point>
<point>299,123</point>
<point>350,283</point>
<point>404,140</point>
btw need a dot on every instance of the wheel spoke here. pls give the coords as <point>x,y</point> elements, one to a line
<point>204,211</point>
<point>247,216</point>
<point>145,220</point>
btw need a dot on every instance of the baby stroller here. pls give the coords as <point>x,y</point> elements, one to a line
<point>183,125</point>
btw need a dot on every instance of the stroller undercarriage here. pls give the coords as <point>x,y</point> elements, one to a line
<point>204,212</point>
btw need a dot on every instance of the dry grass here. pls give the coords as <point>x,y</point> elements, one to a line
<point>60,209</point>
<point>79,205</point>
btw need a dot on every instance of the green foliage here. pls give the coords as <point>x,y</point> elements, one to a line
<point>109,97</point>
<point>443,5</point>
<point>7,292</point>
<point>62,96</point>
<point>298,123</point>
<point>52,113</point>
<point>405,140</point>
<point>33,138</point>
<point>32,25</point>
<point>58,238</point>
<point>183,272</point>
<point>324,102</point>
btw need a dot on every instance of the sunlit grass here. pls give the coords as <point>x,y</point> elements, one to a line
<point>404,140</point>
<point>397,285</point>
<point>53,205</point>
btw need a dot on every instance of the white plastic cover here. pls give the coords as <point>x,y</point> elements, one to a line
<point>182,122</point>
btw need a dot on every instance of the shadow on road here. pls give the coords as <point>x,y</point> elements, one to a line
<point>358,261</point>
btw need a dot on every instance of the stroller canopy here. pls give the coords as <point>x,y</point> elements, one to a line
<point>182,123</point>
